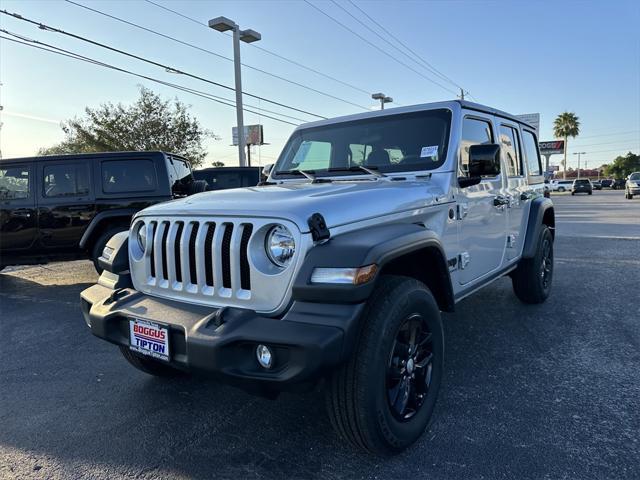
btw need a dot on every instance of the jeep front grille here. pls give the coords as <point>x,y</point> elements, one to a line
<point>197,257</point>
<point>209,261</point>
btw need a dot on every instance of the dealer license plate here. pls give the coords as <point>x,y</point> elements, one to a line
<point>149,338</point>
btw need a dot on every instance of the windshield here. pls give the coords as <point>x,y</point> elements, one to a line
<point>634,176</point>
<point>582,181</point>
<point>395,143</point>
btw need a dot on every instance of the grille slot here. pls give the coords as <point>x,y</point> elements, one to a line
<point>176,251</point>
<point>165,233</point>
<point>245,271</point>
<point>192,254</point>
<point>208,254</point>
<point>226,255</point>
<point>153,250</point>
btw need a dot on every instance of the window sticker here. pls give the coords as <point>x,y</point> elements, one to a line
<point>431,151</point>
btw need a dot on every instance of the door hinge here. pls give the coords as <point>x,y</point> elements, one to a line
<point>464,259</point>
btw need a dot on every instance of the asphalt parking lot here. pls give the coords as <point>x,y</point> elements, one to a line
<point>550,391</point>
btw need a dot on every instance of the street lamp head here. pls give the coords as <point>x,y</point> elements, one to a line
<point>250,36</point>
<point>387,99</point>
<point>378,96</point>
<point>222,24</point>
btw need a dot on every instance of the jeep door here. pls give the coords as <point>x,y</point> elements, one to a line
<point>518,192</point>
<point>18,221</point>
<point>65,203</point>
<point>482,220</point>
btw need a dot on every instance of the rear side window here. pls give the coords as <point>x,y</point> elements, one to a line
<point>66,180</point>
<point>511,149</point>
<point>128,176</point>
<point>14,183</point>
<point>474,132</point>
<point>530,143</point>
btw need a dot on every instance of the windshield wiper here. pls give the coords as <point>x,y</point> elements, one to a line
<point>356,168</point>
<point>310,174</point>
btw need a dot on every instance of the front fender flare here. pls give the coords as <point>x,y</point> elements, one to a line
<point>539,208</point>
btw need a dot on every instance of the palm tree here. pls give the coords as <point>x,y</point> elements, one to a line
<point>566,125</point>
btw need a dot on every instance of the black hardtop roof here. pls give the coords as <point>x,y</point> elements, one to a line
<point>73,156</point>
<point>226,169</point>
<point>493,111</point>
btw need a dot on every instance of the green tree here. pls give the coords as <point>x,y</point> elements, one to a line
<point>150,123</point>
<point>217,164</point>
<point>623,166</point>
<point>566,125</point>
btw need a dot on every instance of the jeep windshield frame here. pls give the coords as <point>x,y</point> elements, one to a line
<point>403,142</point>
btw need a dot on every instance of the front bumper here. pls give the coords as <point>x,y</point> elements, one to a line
<point>634,190</point>
<point>309,340</point>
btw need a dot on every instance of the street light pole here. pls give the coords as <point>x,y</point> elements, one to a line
<point>383,99</point>
<point>579,153</point>
<point>222,24</point>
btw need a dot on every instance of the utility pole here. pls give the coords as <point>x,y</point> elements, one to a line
<point>223,24</point>
<point>383,99</point>
<point>578,153</point>
<point>461,94</point>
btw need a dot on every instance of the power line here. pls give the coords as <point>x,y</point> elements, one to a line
<point>270,52</point>
<point>428,67</point>
<point>603,143</point>
<point>168,68</point>
<point>420,58</point>
<point>67,53</point>
<point>611,134</point>
<point>191,45</point>
<point>378,48</point>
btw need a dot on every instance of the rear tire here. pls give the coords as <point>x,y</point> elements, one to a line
<point>100,243</point>
<point>150,366</point>
<point>532,278</point>
<point>376,402</point>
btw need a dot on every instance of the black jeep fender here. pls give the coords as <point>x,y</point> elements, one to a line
<point>102,217</point>
<point>401,249</point>
<point>541,213</point>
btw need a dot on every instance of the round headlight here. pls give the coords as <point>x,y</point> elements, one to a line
<point>141,236</point>
<point>280,245</point>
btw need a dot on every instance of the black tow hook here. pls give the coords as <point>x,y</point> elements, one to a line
<point>116,295</point>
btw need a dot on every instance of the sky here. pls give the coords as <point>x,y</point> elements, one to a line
<point>517,56</point>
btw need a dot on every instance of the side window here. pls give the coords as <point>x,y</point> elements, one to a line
<point>511,149</point>
<point>474,132</point>
<point>312,155</point>
<point>531,151</point>
<point>359,153</point>
<point>14,183</point>
<point>128,176</point>
<point>65,180</point>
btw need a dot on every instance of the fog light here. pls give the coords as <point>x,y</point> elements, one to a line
<point>264,356</point>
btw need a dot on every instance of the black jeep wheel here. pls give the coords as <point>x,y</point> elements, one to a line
<point>381,400</point>
<point>100,243</point>
<point>532,279</point>
<point>149,365</point>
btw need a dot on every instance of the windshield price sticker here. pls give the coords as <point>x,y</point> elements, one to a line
<point>431,151</point>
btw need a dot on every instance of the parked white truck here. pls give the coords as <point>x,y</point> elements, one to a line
<point>335,270</point>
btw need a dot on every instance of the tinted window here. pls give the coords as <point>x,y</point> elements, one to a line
<point>582,181</point>
<point>66,180</point>
<point>474,132</point>
<point>181,168</point>
<point>511,149</point>
<point>531,153</point>
<point>120,176</point>
<point>403,142</point>
<point>14,183</point>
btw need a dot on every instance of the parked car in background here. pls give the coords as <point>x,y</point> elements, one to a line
<point>596,184</point>
<point>581,185</point>
<point>65,207</point>
<point>561,185</point>
<point>632,186</point>
<point>223,178</point>
<point>618,184</point>
<point>606,182</point>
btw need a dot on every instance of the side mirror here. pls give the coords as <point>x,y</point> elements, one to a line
<point>484,161</point>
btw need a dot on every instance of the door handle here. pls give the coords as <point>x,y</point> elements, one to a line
<point>500,201</point>
<point>21,213</point>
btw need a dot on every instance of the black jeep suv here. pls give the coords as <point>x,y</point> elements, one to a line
<point>65,207</point>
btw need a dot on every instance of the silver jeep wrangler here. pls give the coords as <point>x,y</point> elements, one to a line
<point>335,269</point>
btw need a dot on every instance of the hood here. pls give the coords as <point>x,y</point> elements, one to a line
<point>340,203</point>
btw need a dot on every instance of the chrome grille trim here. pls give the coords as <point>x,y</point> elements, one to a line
<point>159,272</point>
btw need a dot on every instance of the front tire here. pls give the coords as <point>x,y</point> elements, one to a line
<point>382,399</point>
<point>148,365</point>
<point>532,278</point>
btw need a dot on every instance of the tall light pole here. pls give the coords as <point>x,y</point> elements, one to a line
<point>383,99</point>
<point>579,153</point>
<point>223,24</point>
